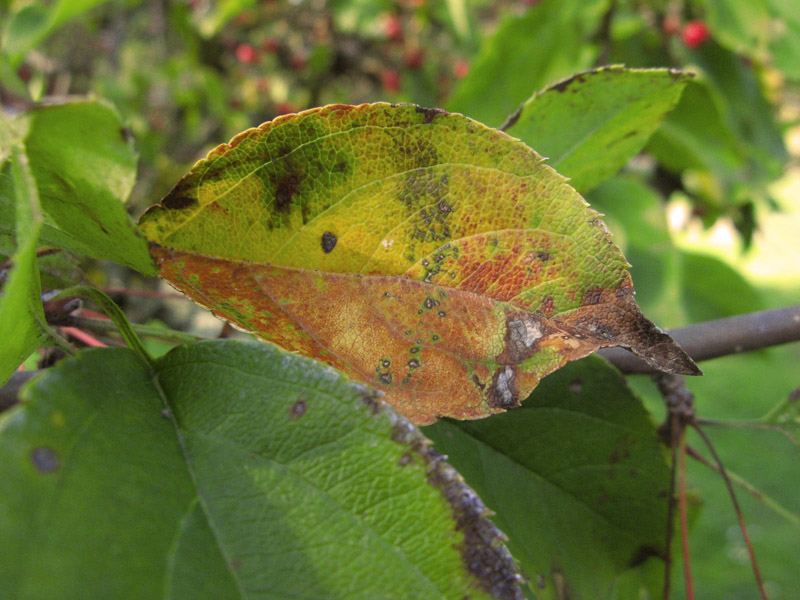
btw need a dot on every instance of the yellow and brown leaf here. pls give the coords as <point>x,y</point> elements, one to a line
<point>435,258</point>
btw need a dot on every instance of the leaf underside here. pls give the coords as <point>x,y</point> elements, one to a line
<point>435,258</point>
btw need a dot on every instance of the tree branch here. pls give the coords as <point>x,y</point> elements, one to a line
<point>723,337</point>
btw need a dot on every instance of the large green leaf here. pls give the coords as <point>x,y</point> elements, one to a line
<point>85,167</point>
<point>20,303</point>
<point>547,43</point>
<point>238,472</point>
<point>414,249</point>
<point>591,124</point>
<point>577,478</point>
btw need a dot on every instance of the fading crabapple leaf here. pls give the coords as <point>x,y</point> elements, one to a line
<point>431,256</point>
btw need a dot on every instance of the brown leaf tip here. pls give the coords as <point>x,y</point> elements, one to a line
<point>483,551</point>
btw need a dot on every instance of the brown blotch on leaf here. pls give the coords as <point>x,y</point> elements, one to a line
<point>298,409</point>
<point>385,378</point>
<point>177,202</point>
<point>287,187</point>
<point>592,296</point>
<point>548,306</point>
<point>405,459</point>
<point>328,241</point>
<point>503,392</point>
<point>429,114</point>
<point>44,459</point>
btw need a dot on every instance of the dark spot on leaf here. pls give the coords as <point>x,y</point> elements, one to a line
<point>405,459</point>
<point>429,114</point>
<point>592,296</point>
<point>407,332</point>
<point>177,202</point>
<point>478,382</point>
<point>576,386</point>
<point>287,187</point>
<point>441,313</point>
<point>385,378</point>
<point>328,241</point>
<point>414,363</point>
<point>431,302</point>
<point>562,86</point>
<point>511,120</point>
<point>414,349</point>
<point>386,363</point>
<point>435,337</point>
<point>126,134</point>
<point>544,256</point>
<point>297,409</point>
<point>548,307</point>
<point>44,459</point>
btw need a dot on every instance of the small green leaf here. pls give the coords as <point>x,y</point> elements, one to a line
<point>20,305</point>
<point>591,124</point>
<point>242,472</point>
<point>577,478</point>
<point>85,167</point>
<point>549,42</point>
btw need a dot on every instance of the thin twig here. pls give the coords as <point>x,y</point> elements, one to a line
<point>768,501</point>
<point>687,563</point>
<point>736,507</point>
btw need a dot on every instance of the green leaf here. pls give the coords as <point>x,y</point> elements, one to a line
<point>711,289</point>
<point>29,26</point>
<point>746,109</point>
<point>243,472</point>
<point>85,167</point>
<point>547,43</point>
<point>767,31</point>
<point>577,478</point>
<point>591,124</point>
<point>20,303</point>
<point>696,136</point>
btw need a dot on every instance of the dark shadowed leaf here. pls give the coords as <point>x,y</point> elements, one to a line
<point>577,478</point>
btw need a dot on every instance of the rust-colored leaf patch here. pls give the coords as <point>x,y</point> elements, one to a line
<point>435,258</point>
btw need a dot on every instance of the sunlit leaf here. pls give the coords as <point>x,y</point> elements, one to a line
<point>237,472</point>
<point>433,257</point>
<point>84,165</point>
<point>592,123</point>
<point>20,306</point>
